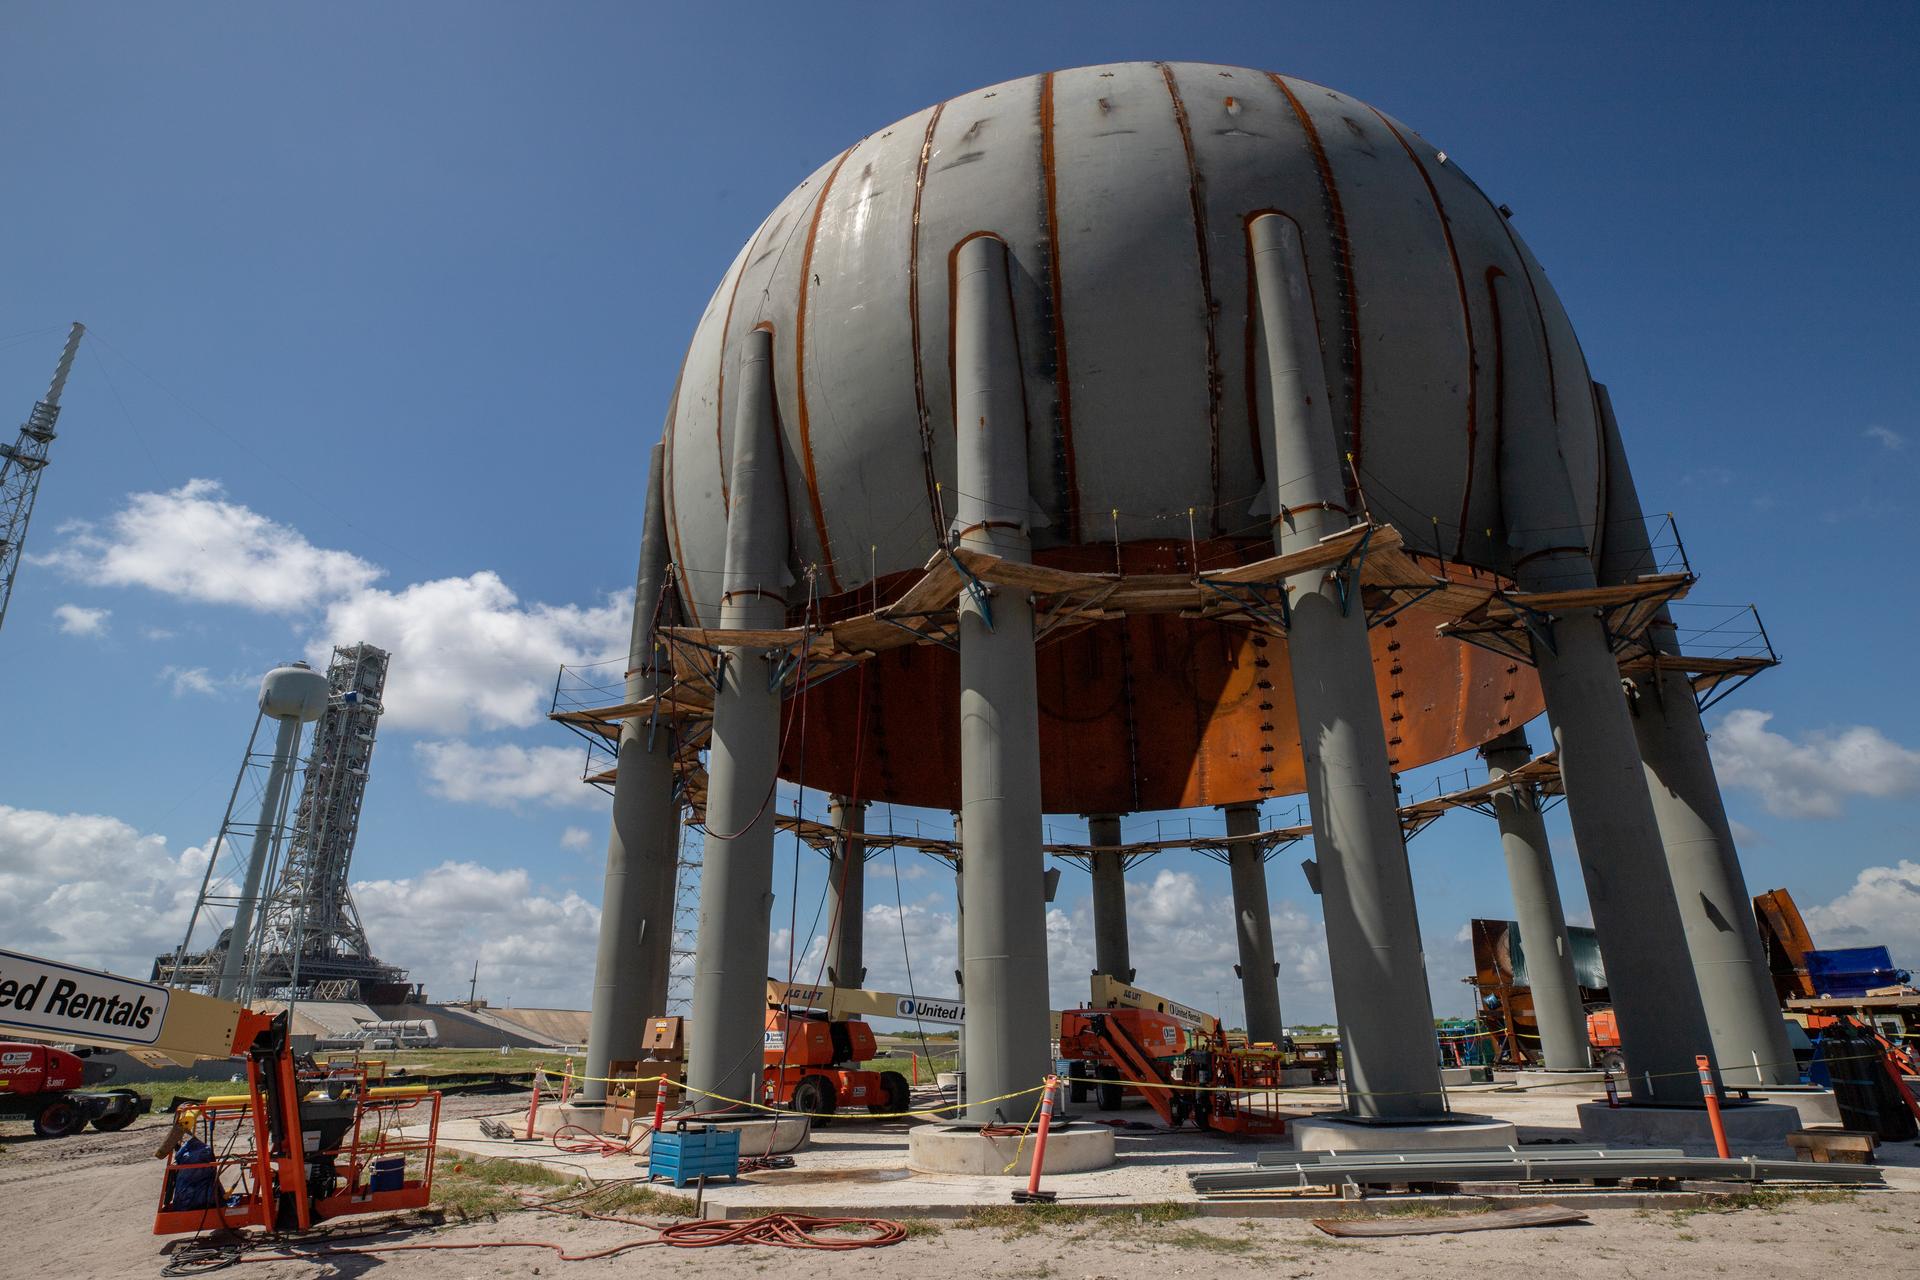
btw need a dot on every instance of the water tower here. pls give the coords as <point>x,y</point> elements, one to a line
<point>291,696</point>
<point>1149,436</point>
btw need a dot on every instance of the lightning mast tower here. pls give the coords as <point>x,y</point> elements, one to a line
<point>292,696</point>
<point>313,946</point>
<point>20,466</point>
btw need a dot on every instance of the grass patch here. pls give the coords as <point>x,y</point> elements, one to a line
<point>1026,1219</point>
<point>1195,1238</point>
<point>1462,1210</point>
<point>417,1065</point>
<point>634,1197</point>
<point>476,1187</point>
<point>1768,1199</point>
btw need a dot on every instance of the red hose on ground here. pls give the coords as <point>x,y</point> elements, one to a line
<point>781,1230</point>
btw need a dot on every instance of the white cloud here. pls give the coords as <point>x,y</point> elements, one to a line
<point>188,680</point>
<point>506,775</point>
<point>1811,778</point>
<point>1882,907</point>
<point>193,543</point>
<point>94,891</point>
<point>91,890</point>
<point>467,651</point>
<point>576,838</point>
<point>535,947</point>
<point>77,621</point>
<point>1889,438</point>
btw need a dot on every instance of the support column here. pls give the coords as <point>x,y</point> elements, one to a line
<point>1373,933</point>
<point>632,967</point>
<point>1729,962</point>
<point>1655,999</point>
<point>1557,1014</point>
<point>233,964</point>
<point>1108,869</point>
<point>1004,934</point>
<point>736,876</point>
<point>1253,925</point>
<point>847,882</point>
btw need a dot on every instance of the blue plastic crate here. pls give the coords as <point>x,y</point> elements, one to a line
<point>685,1153</point>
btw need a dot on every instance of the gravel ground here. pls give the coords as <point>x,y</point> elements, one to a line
<point>79,1209</point>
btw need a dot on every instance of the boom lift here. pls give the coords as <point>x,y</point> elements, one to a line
<point>814,1047</point>
<point>301,1145</point>
<point>1174,1056</point>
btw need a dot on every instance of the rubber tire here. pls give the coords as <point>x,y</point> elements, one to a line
<point>894,1094</point>
<point>1615,1061</point>
<point>1110,1096</point>
<point>59,1119</point>
<point>815,1094</point>
<point>114,1121</point>
<point>1076,1092</point>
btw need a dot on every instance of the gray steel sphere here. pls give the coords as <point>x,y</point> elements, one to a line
<point>1123,193</point>
<point>294,692</point>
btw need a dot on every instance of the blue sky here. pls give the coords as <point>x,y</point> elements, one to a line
<point>404,288</point>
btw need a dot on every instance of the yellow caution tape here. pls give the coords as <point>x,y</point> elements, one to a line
<point>934,1112</point>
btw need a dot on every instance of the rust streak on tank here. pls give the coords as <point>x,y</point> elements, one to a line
<point>1063,383</point>
<point>800,370</point>
<point>1499,377</point>
<point>1197,199</point>
<point>1343,261</point>
<point>913,316</point>
<point>666,486</point>
<point>1466,325</point>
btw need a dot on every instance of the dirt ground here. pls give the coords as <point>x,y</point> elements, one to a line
<point>80,1209</point>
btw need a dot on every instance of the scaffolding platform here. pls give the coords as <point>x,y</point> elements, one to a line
<point>1368,562</point>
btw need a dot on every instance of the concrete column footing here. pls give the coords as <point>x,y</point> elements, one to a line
<point>554,1116</point>
<point>1748,1125</point>
<point>787,1133</point>
<point>937,1148</point>
<point>1457,1132</point>
<point>1815,1105</point>
<point>1539,1079</point>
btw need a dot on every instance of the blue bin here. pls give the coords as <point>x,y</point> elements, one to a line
<point>389,1174</point>
<point>687,1152</point>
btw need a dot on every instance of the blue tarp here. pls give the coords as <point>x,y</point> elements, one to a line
<point>1852,971</point>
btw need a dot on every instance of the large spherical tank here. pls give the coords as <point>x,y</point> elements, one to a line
<point>1123,193</point>
<point>294,692</point>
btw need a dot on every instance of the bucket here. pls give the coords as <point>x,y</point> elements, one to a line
<point>389,1174</point>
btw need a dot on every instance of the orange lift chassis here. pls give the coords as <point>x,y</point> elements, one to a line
<point>302,1145</point>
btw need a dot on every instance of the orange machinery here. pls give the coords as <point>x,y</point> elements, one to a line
<point>813,1065</point>
<point>1176,1057</point>
<point>300,1146</point>
<point>303,1144</point>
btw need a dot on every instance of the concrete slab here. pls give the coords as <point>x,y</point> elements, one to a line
<point>1816,1106</point>
<point>940,1149</point>
<point>1461,1132</point>
<point>1588,1082</point>
<point>1455,1076</point>
<point>1748,1125</point>
<point>860,1166</point>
